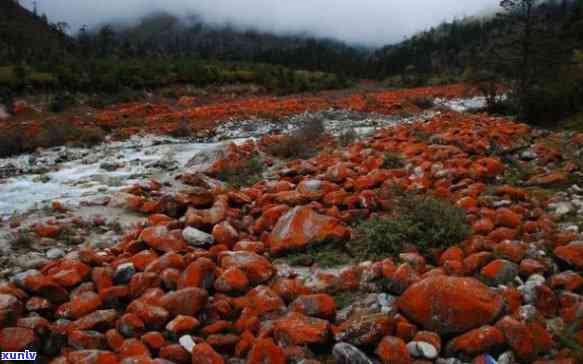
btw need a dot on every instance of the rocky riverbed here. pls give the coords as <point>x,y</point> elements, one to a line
<point>157,261</point>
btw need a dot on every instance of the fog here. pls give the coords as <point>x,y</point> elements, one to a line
<point>367,22</point>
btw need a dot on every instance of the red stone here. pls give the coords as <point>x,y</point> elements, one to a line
<point>450,305</point>
<point>392,350</point>
<point>205,354</point>
<point>482,340</point>
<point>303,226</point>
<point>297,329</point>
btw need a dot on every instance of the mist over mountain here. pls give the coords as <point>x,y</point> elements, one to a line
<point>366,22</point>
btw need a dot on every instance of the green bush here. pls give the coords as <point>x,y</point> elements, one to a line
<point>422,102</point>
<point>347,137</point>
<point>426,222</point>
<point>11,142</point>
<point>302,143</point>
<point>247,173</point>
<point>393,161</point>
<point>61,101</point>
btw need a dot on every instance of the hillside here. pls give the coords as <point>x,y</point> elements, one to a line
<point>25,36</point>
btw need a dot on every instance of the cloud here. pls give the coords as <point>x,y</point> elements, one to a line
<point>371,22</point>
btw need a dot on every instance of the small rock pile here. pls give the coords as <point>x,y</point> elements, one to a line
<point>196,283</point>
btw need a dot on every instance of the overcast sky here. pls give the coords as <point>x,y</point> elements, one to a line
<point>372,22</point>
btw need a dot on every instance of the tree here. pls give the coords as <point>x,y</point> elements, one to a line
<point>527,51</point>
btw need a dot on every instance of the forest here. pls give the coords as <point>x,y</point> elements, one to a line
<point>162,49</point>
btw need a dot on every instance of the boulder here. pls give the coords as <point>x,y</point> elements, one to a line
<point>450,305</point>
<point>303,226</point>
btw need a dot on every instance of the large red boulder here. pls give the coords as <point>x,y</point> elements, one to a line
<point>302,226</point>
<point>572,254</point>
<point>450,305</point>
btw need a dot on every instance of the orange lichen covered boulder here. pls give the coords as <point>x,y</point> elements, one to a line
<point>450,305</point>
<point>302,226</point>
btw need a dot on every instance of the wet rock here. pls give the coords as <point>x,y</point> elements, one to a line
<point>450,305</point>
<point>348,354</point>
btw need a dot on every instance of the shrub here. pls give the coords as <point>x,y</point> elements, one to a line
<point>11,142</point>
<point>393,161</point>
<point>347,137</point>
<point>61,101</point>
<point>422,102</point>
<point>247,173</point>
<point>426,222</point>
<point>90,136</point>
<point>182,130</point>
<point>302,143</point>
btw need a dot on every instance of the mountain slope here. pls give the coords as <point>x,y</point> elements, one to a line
<point>25,36</point>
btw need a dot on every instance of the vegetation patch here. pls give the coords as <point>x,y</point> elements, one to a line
<point>246,173</point>
<point>393,161</point>
<point>325,255</point>
<point>302,143</point>
<point>422,102</point>
<point>13,141</point>
<point>426,222</point>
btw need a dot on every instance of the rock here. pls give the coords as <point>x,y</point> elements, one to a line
<point>123,273</point>
<point>224,233</point>
<point>17,339</point>
<point>478,341</point>
<point>201,273</point>
<point>197,237</point>
<point>159,238</point>
<point>31,260</point>
<point>55,253</point>
<point>364,329</point>
<point>265,351</point>
<point>187,301</point>
<point>317,305</point>
<point>450,305</point>
<point>298,329</point>
<point>205,354</point>
<point>527,340</point>
<point>423,350</point>
<point>232,280</point>
<point>187,343</point>
<point>571,254</point>
<point>257,268</point>
<point>499,271</point>
<point>392,350</point>
<point>303,226</point>
<point>348,354</point>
